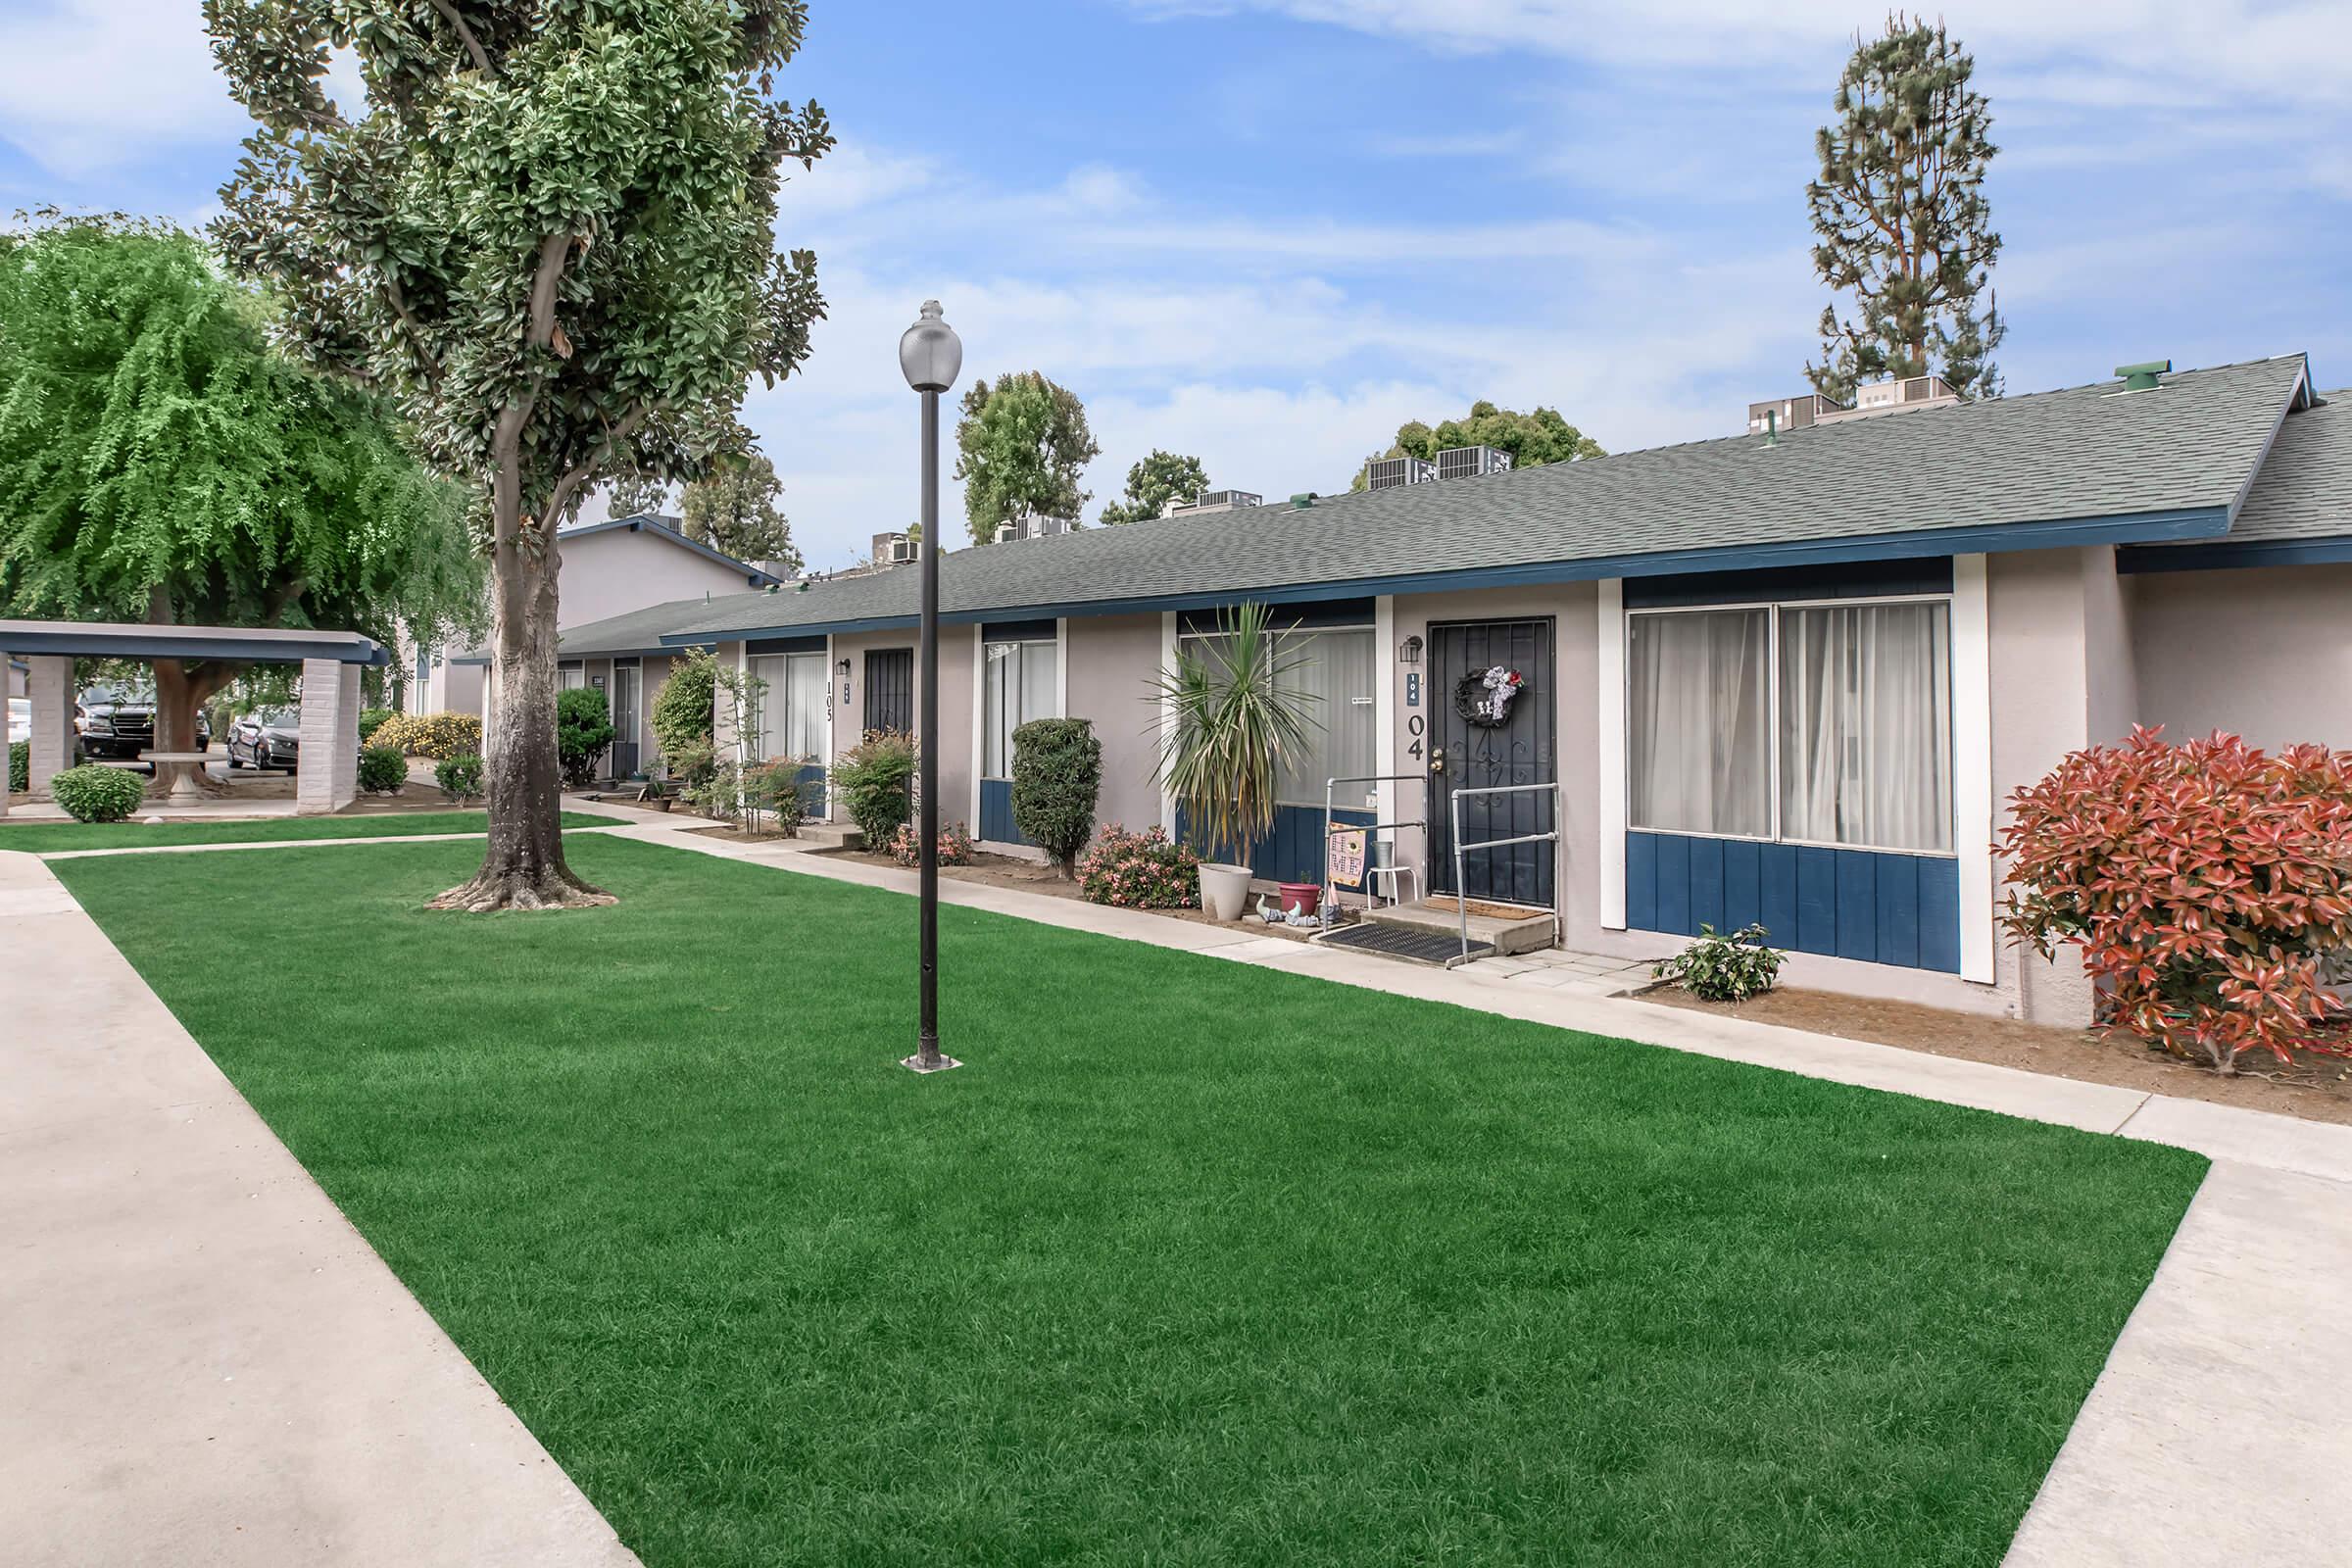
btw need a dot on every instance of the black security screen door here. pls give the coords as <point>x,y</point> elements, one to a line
<point>890,689</point>
<point>1467,755</point>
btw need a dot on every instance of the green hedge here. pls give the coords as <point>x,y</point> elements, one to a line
<point>94,794</point>
<point>20,767</point>
<point>1056,775</point>
<point>383,769</point>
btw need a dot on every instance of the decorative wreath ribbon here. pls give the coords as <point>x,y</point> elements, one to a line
<point>1483,696</point>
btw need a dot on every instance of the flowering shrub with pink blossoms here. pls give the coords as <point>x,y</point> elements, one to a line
<point>1140,870</point>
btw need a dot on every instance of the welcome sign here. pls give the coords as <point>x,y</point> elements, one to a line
<point>1346,859</point>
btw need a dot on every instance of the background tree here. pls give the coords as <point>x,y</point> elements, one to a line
<point>735,509</point>
<point>160,462</point>
<point>635,496</point>
<point>1021,446</point>
<point>1901,217</point>
<point>1531,439</point>
<point>552,238</point>
<point>1152,483</point>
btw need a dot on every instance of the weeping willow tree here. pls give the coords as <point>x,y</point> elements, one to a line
<point>161,462</point>
<point>1234,713</point>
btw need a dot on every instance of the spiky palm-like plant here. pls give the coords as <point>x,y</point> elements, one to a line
<point>1234,713</point>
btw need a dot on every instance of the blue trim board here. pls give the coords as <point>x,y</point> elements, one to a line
<point>2189,523</point>
<point>1017,632</point>
<point>1293,852</point>
<point>1862,579</point>
<point>2227,554</point>
<point>1865,904</point>
<point>785,644</point>
<point>996,814</point>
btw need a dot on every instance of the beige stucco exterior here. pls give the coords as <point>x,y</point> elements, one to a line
<point>2263,652</point>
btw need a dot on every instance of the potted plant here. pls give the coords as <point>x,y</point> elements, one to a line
<point>1234,713</point>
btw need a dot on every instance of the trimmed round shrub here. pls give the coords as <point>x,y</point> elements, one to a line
<point>1143,871</point>
<point>1056,774</point>
<point>875,782</point>
<point>373,720</point>
<point>93,794</point>
<point>20,767</point>
<point>583,729</point>
<point>383,769</point>
<point>460,776</point>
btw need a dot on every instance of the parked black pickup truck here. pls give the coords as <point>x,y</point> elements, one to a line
<point>112,723</point>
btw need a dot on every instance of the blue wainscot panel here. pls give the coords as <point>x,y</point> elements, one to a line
<point>996,814</point>
<point>811,783</point>
<point>1293,851</point>
<point>1900,909</point>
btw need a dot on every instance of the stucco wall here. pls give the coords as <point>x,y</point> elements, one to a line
<point>1112,661</point>
<point>606,575</point>
<point>955,720</point>
<point>2266,653</point>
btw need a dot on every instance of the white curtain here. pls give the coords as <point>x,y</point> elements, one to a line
<point>1018,683</point>
<point>1696,699</point>
<point>803,732</point>
<point>1339,673</point>
<point>1866,731</point>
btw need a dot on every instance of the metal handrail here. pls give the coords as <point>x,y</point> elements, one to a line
<point>1461,879</point>
<point>1323,910</point>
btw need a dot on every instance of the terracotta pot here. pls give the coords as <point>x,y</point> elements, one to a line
<point>1303,895</point>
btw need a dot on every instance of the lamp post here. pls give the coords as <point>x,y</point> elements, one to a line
<point>930,354</point>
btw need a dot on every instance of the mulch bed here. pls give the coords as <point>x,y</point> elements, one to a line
<point>2317,1088</point>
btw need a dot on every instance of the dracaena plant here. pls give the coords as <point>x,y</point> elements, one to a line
<point>550,238</point>
<point>1235,713</point>
<point>2204,885</point>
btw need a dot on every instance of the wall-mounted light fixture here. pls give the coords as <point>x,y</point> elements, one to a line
<point>1409,651</point>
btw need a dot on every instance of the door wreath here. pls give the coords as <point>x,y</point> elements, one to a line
<point>1483,696</point>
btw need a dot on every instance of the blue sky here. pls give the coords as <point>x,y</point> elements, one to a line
<point>1267,231</point>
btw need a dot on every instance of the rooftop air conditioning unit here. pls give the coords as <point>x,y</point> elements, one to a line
<point>1042,527</point>
<point>1386,473</point>
<point>904,549</point>
<point>1215,499</point>
<point>1470,462</point>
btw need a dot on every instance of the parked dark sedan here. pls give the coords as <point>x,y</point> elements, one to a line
<point>113,723</point>
<point>270,738</point>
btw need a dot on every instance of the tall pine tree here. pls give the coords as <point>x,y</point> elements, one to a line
<point>1903,226</point>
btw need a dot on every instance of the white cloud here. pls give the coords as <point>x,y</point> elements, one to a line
<point>88,83</point>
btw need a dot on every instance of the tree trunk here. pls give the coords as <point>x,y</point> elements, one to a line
<point>523,868</point>
<point>181,691</point>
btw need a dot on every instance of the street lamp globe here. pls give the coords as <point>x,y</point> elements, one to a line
<point>930,352</point>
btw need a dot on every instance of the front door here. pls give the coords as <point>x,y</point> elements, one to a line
<point>624,717</point>
<point>890,689</point>
<point>1471,750</point>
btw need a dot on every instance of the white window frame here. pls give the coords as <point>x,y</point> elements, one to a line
<point>1772,713</point>
<point>1371,626</point>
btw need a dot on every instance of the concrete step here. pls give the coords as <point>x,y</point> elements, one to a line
<point>833,835</point>
<point>1529,933</point>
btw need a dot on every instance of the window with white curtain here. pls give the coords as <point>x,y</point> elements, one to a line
<point>1698,753</point>
<point>1019,682</point>
<point>1338,670</point>
<point>1816,723</point>
<point>792,710</point>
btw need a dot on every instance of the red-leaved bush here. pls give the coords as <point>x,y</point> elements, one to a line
<point>2203,883</point>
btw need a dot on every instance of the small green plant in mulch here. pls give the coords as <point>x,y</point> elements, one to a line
<point>1721,968</point>
<point>460,776</point>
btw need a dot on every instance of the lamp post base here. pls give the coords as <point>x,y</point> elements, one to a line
<point>917,1064</point>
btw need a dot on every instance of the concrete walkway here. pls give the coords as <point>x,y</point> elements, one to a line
<point>201,1361</point>
<point>2235,1361</point>
<point>359,1434</point>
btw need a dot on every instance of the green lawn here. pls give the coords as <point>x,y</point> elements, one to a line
<point>41,838</point>
<point>1194,1264</point>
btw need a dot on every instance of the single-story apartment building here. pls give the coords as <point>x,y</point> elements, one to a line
<point>1784,677</point>
<point>615,567</point>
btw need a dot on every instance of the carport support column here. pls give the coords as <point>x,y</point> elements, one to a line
<point>329,779</point>
<point>49,683</point>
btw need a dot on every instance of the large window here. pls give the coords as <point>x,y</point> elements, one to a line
<point>792,710</point>
<point>1018,681</point>
<point>1338,670</point>
<point>1816,723</point>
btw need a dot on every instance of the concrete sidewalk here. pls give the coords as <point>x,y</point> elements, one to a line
<point>204,1362</point>
<point>2236,1355</point>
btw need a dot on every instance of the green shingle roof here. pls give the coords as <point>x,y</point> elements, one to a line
<point>2305,488</point>
<point>2175,460</point>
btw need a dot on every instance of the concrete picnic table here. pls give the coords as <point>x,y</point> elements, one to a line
<point>184,787</point>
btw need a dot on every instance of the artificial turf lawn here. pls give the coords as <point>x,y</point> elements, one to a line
<point>1194,1262</point>
<point>41,838</point>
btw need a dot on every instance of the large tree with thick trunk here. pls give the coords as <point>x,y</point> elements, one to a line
<point>161,462</point>
<point>550,238</point>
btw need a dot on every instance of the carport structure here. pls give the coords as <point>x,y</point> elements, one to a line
<point>332,661</point>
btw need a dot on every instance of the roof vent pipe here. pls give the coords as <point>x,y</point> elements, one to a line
<point>2144,377</point>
